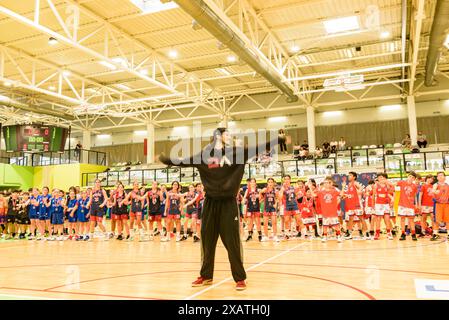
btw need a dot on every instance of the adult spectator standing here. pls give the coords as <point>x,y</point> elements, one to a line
<point>282,141</point>
<point>342,144</point>
<point>422,140</point>
<point>78,148</point>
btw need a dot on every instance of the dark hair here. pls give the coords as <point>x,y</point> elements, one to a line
<point>270,179</point>
<point>287,176</point>
<point>371,182</point>
<point>46,188</point>
<point>382,174</point>
<point>413,174</point>
<point>354,174</point>
<point>441,172</point>
<point>430,176</point>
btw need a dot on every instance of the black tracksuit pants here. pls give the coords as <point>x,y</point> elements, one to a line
<point>220,217</point>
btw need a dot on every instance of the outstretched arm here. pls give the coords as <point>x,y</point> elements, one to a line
<point>179,162</point>
<point>252,151</point>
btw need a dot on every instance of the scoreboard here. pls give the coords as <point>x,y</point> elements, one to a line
<point>34,138</point>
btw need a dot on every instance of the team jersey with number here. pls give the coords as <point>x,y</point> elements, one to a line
<point>443,195</point>
<point>269,200</point>
<point>155,201</point>
<point>174,201</point>
<point>408,194</point>
<point>290,202</point>
<point>97,199</point>
<point>382,194</point>
<point>352,200</point>
<point>252,198</point>
<point>328,200</point>
<point>427,197</point>
<point>189,197</point>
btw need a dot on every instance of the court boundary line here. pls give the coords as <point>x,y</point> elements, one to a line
<point>247,270</point>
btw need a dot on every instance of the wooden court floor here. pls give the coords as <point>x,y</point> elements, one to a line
<point>294,269</point>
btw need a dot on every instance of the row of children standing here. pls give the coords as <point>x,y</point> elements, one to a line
<point>315,209</point>
<point>56,216</point>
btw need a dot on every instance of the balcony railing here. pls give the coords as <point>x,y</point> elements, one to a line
<point>57,158</point>
<point>363,159</point>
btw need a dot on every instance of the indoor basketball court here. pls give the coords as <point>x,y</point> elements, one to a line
<point>307,139</point>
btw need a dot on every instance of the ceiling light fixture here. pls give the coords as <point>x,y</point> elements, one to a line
<point>341,24</point>
<point>294,48</point>
<point>173,54</point>
<point>153,6</point>
<point>232,58</point>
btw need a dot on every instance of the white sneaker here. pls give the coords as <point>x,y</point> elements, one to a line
<point>178,238</point>
<point>339,239</point>
<point>60,238</point>
<point>264,239</point>
<point>51,238</point>
<point>323,239</point>
<point>390,236</point>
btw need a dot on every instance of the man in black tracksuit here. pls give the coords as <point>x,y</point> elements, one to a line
<point>221,167</point>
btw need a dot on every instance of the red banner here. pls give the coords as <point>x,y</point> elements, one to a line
<point>145,147</point>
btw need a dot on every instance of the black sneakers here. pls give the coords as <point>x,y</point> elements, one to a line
<point>402,238</point>
<point>195,238</point>
<point>414,238</point>
<point>250,237</point>
<point>435,237</point>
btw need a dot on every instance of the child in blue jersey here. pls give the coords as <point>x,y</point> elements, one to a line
<point>33,212</point>
<point>82,217</point>
<point>44,213</point>
<point>163,212</point>
<point>144,199</point>
<point>57,204</point>
<point>269,197</point>
<point>173,211</point>
<point>190,198</point>
<point>200,205</point>
<point>71,208</point>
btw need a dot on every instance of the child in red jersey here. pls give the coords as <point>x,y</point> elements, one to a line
<point>369,207</point>
<point>353,207</point>
<point>406,209</point>
<point>440,192</point>
<point>425,202</point>
<point>329,198</point>
<point>383,196</point>
<point>308,214</point>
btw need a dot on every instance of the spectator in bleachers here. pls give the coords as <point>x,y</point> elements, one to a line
<point>407,142</point>
<point>422,140</point>
<point>318,153</point>
<point>326,149</point>
<point>342,144</point>
<point>334,146</point>
<point>305,145</point>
